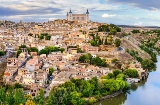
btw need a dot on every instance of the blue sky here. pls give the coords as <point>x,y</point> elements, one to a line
<point>121,12</point>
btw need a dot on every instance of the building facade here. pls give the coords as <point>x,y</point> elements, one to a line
<point>78,17</point>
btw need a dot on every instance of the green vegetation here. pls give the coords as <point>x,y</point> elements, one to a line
<point>12,96</point>
<point>32,49</point>
<point>74,91</point>
<point>132,73</point>
<point>135,31</point>
<point>29,49</point>
<point>87,58</point>
<point>146,63</point>
<point>112,29</point>
<point>79,50</point>
<point>108,40</point>
<point>96,41</point>
<point>47,50</point>
<point>118,42</point>
<point>45,36</point>
<point>2,53</point>
<point>51,70</point>
<point>150,52</point>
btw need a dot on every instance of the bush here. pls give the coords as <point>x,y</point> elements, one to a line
<point>131,73</point>
<point>92,100</point>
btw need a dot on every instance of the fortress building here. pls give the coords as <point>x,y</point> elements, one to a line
<point>78,17</point>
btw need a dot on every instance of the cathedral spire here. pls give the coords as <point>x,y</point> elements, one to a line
<point>87,12</point>
<point>70,11</point>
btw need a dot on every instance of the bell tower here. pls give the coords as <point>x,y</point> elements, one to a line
<point>70,18</point>
<point>87,15</point>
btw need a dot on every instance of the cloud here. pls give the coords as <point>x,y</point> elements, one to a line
<point>144,4</point>
<point>108,15</point>
<point>125,11</point>
<point>138,24</point>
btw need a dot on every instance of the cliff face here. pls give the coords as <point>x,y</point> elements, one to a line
<point>132,44</point>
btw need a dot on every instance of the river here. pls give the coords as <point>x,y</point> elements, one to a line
<point>144,93</point>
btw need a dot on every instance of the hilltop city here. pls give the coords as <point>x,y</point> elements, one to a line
<point>49,54</point>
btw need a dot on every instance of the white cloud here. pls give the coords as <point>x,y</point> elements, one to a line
<point>138,24</point>
<point>108,15</point>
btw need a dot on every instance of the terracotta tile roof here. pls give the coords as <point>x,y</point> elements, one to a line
<point>7,74</point>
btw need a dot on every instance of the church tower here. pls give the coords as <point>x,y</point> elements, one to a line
<point>87,15</point>
<point>70,18</point>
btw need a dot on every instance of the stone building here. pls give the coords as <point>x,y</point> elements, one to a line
<point>78,17</point>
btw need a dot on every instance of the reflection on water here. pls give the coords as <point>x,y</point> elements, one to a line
<point>144,93</point>
<point>119,100</point>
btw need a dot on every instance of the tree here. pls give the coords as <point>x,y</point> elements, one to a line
<point>51,70</point>
<point>131,73</point>
<point>82,58</point>
<point>43,51</point>
<point>17,85</point>
<point>2,95</point>
<point>57,96</point>
<point>18,52</point>
<point>114,60</point>
<point>106,42</point>
<point>79,50</point>
<point>116,72</point>
<point>32,49</point>
<point>118,42</point>
<point>87,88</point>
<point>22,46</point>
<point>18,96</point>
<point>135,31</point>
<point>29,102</point>
<point>40,99</point>
<point>92,100</point>
<point>9,96</point>
<point>44,35</point>
<point>121,76</point>
<point>76,98</point>
<point>2,53</point>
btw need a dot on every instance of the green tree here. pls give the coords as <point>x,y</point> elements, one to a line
<point>9,97</point>
<point>40,99</point>
<point>82,58</point>
<point>51,70</point>
<point>118,42</point>
<point>131,73</point>
<point>2,53</point>
<point>76,98</point>
<point>87,88</point>
<point>17,85</point>
<point>2,94</point>
<point>92,100</point>
<point>135,31</point>
<point>18,96</point>
<point>57,96</point>
<point>29,102</point>
<point>116,72</point>
<point>79,50</point>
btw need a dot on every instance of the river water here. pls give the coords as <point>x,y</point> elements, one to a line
<point>144,93</point>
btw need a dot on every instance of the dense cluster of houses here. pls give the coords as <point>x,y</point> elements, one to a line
<point>33,70</point>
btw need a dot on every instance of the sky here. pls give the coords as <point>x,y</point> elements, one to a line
<point>119,12</point>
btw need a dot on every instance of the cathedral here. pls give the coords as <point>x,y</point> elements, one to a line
<point>78,17</point>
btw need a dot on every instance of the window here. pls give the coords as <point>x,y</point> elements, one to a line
<point>77,18</point>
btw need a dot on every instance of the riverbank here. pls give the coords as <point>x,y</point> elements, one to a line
<point>147,90</point>
<point>112,95</point>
